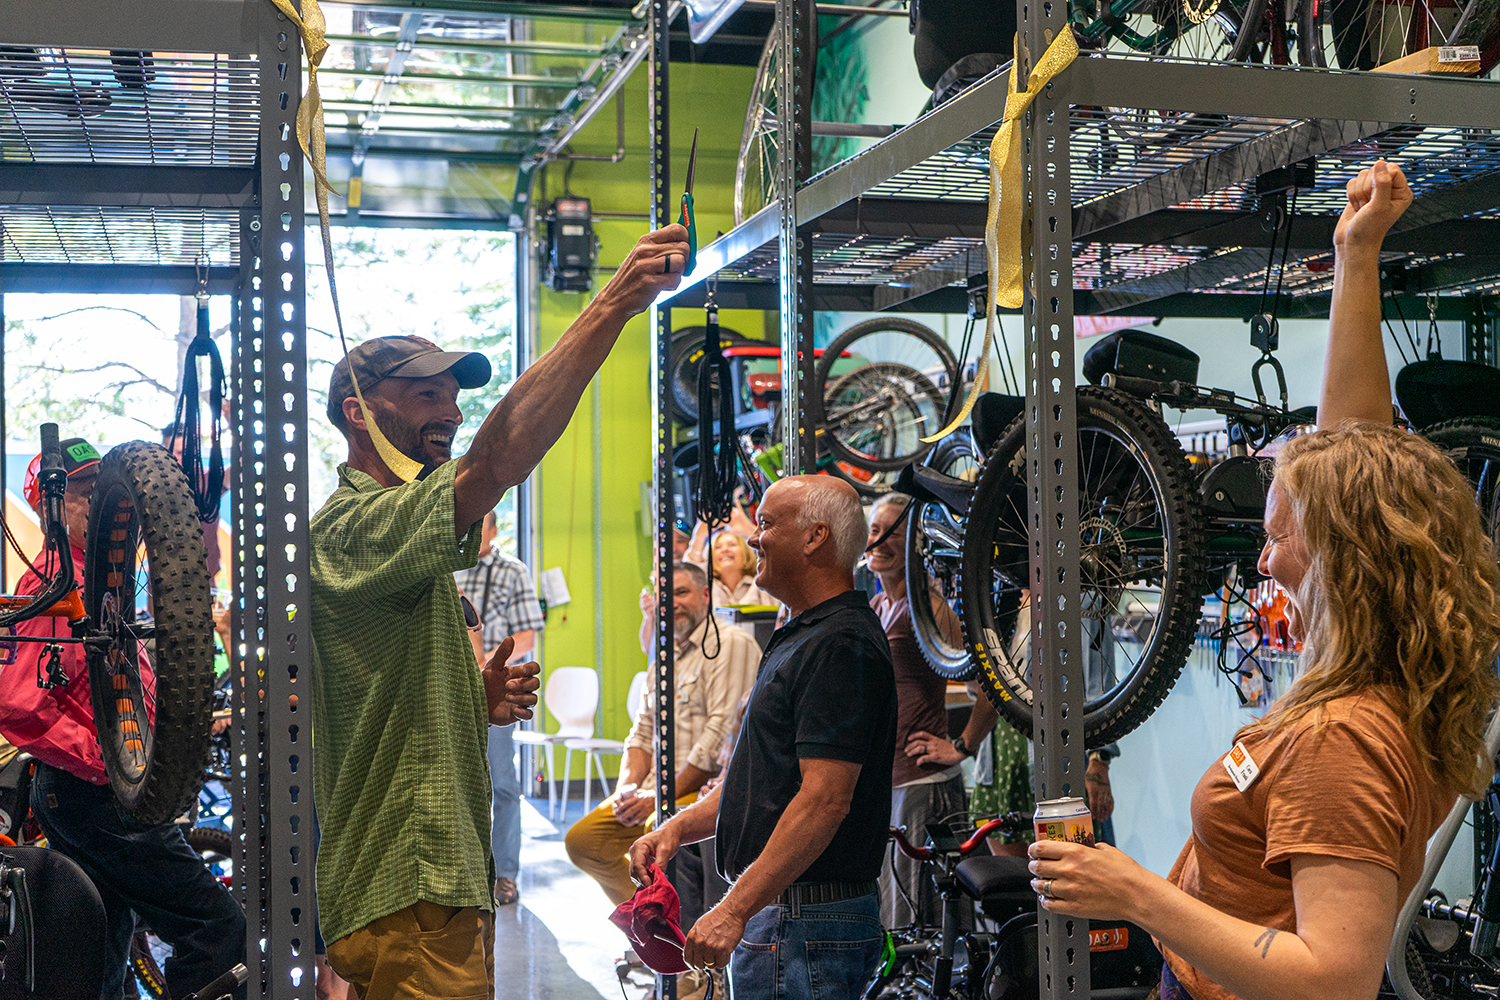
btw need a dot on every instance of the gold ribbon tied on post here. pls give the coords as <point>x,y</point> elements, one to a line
<point>1004,217</point>
<point>312,26</point>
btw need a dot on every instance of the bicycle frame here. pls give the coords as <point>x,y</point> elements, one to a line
<point>60,597</point>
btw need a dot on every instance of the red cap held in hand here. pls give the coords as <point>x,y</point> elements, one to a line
<point>651,919</point>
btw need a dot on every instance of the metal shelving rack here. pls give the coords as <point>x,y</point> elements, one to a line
<point>1163,221</point>
<point>124,195</point>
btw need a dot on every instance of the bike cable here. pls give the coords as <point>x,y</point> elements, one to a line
<point>717,474</point>
<point>207,486</point>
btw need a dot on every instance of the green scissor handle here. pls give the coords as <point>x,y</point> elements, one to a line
<point>688,220</point>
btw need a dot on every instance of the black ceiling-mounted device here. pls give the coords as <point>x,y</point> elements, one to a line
<point>571,247</point>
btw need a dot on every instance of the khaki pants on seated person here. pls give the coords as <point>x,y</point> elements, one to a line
<point>424,952</point>
<point>597,844</point>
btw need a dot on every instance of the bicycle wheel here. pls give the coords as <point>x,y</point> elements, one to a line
<point>687,358</point>
<point>934,549</point>
<point>1141,556</point>
<point>146,578</point>
<point>1217,30</point>
<point>756,181</point>
<point>884,386</point>
<point>1364,34</point>
<point>1473,443</point>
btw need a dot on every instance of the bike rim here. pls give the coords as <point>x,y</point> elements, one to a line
<point>124,607</point>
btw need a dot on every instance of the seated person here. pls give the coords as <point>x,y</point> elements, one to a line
<point>1291,881</point>
<point>712,668</point>
<point>146,871</point>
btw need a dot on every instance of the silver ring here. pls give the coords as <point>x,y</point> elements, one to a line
<point>1047,888</point>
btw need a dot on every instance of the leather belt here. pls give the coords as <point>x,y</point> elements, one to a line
<point>813,893</point>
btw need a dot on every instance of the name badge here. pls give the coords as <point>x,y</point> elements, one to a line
<point>1241,766</point>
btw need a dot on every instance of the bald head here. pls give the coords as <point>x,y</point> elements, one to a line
<point>810,532</point>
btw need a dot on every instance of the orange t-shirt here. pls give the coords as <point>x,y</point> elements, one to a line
<point>1353,788</point>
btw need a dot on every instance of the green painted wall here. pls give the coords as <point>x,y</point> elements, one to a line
<point>713,99</point>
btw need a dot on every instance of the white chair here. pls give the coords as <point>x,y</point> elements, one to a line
<point>594,748</point>
<point>571,696</point>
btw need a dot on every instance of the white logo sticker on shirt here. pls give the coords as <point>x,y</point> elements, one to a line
<point>1241,766</point>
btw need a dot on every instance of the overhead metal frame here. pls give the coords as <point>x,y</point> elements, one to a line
<point>250,180</point>
<point>1240,121</point>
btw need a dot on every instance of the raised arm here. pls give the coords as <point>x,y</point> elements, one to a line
<point>532,416</point>
<point>1356,384</point>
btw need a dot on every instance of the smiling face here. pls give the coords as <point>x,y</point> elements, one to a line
<point>889,557</point>
<point>777,539</point>
<point>1284,557</point>
<point>418,415</point>
<point>728,559</point>
<point>688,603</point>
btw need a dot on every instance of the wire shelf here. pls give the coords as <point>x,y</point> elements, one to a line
<point>38,234</point>
<point>168,109</point>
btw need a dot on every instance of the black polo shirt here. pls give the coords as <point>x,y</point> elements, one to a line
<point>825,690</point>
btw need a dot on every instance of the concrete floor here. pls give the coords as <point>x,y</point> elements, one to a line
<point>557,943</point>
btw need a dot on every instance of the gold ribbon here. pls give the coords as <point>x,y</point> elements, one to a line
<point>1005,281</point>
<point>311,136</point>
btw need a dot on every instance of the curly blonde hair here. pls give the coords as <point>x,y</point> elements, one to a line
<point>748,562</point>
<point>1400,593</point>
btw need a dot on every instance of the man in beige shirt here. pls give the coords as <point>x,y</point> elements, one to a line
<point>713,668</point>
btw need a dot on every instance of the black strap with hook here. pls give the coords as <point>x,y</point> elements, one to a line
<point>207,485</point>
<point>717,474</point>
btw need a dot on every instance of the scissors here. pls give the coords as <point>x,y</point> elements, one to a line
<point>687,218</point>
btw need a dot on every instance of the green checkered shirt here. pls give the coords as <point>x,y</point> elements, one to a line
<point>399,717</point>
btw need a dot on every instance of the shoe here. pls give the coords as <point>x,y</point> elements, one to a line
<point>507,893</point>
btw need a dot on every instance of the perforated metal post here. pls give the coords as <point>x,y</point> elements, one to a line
<point>663,679</point>
<point>1058,638</point>
<point>798,25</point>
<point>275,488</point>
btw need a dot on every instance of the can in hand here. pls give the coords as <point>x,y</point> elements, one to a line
<point>1067,820</point>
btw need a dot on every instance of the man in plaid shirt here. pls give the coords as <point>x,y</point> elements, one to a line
<point>502,593</point>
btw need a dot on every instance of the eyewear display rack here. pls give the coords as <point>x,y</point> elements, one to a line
<point>1128,209</point>
<point>150,146</point>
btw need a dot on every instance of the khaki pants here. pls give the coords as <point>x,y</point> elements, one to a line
<point>424,952</point>
<point>598,845</point>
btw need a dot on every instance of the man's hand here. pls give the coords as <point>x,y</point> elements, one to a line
<point>509,691</point>
<point>633,808</point>
<point>1101,796</point>
<point>930,749</point>
<point>654,265</point>
<point>657,847</point>
<point>713,939</point>
<point>1378,196</point>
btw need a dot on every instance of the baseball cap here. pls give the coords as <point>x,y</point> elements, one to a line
<point>76,454</point>
<point>651,919</point>
<point>381,358</point>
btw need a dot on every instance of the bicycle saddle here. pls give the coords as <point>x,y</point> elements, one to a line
<point>991,876</point>
<point>1138,354</point>
<point>1437,390</point>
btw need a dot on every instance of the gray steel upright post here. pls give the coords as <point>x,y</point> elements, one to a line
<point>277,490</point>
<point>797,23</point>
<point>1058,642</point>
<point>663,679</point>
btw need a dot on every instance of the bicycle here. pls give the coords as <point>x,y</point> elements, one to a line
<point>1000,965</point>
<point>145,585</point>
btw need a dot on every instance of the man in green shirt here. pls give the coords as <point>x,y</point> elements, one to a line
<point>401,781</point>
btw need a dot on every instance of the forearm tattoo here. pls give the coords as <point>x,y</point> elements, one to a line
<point>1265,941</point>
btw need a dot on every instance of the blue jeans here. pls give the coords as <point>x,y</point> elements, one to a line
<point>827,951</point>
<point>505,819</point>
<point>145,870</point>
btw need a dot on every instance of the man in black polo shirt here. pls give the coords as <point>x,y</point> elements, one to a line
<point>801,821</point>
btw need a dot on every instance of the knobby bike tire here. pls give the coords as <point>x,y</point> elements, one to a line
<point>1155,513</point>
<point>929,387</point>
<point>928,556</point>
<point>1473,444</point>
<point>141,502</point>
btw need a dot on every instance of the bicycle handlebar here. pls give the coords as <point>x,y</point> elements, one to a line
<point>1010,821</point>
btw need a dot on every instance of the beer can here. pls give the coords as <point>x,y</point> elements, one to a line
<point>1064,819</point>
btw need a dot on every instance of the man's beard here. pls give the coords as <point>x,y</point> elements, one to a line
<point>683,627</point>
<point>410,440</point>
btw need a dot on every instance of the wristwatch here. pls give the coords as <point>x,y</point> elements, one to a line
<point>958,744</point>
